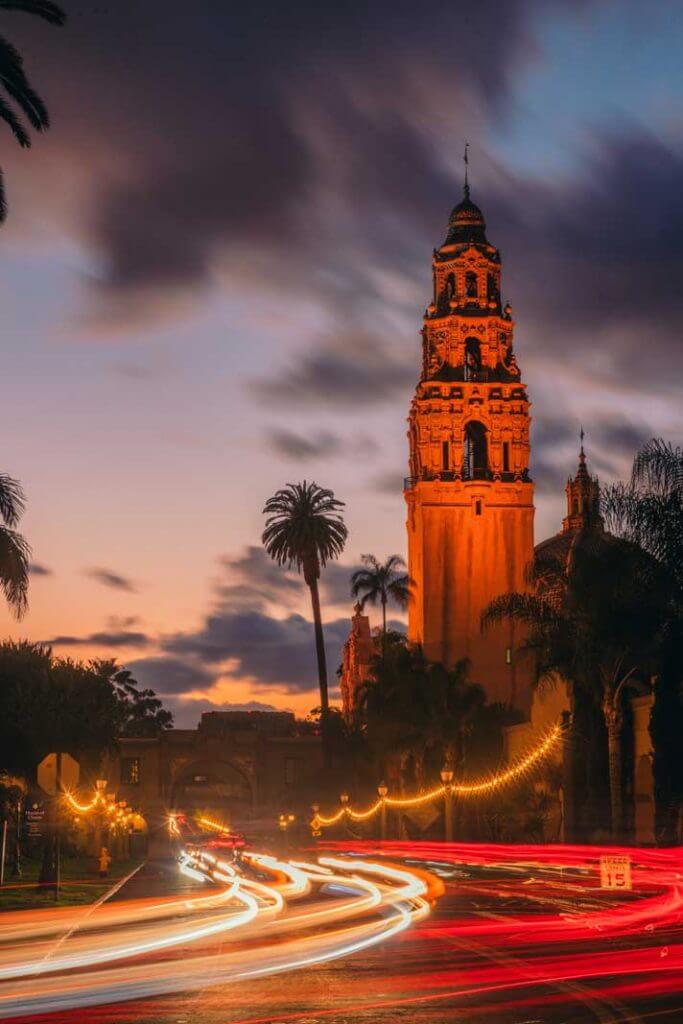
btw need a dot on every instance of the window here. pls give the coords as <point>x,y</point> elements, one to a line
<point>477,507</point>
<point>450,285</point>
<point>291,770</point>
<point>508,655</point>
<point>476,456</point>
<point>471,285</point>
<point>472,358</point>
<point>445,456</point>
<point>506,456</point>
<point>130,771</point>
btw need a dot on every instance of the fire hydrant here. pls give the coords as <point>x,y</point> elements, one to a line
<point>104,862</point>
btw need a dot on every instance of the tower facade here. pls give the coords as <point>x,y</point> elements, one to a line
<point>469,494</point>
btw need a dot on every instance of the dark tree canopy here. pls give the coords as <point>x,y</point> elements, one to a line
<point>49,703</point>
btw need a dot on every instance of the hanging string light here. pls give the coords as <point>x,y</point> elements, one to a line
<point>465,789</point>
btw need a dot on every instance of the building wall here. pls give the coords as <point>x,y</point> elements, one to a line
<point>643,787</point>
<point>240,774</point>
<point>461,561</point>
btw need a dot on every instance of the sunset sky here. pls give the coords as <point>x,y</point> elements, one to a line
<point>214,271</point>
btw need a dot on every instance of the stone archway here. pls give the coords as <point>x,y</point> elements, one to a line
<point>220,789</point>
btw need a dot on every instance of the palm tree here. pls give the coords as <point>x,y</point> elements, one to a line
<point>454,704</point>
<point>648,510</point>
<point>16,85</point>
<point>14,551</point>
<point>591,621</point>
<point>383,582</point>
<point>304,528</point>
<point>395,706</point>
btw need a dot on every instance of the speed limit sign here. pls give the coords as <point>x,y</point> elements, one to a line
<point>615,873</point>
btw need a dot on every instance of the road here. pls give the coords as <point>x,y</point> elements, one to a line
<point>403,933</point>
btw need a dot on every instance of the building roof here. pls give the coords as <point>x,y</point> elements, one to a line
<point>466,223</point>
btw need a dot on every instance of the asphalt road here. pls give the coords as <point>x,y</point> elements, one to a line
<point>512,940</point>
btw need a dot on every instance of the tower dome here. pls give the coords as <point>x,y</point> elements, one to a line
<point>466,222</point>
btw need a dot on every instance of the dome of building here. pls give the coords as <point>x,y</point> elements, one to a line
<point>582,528</point>
<point>466,222</point>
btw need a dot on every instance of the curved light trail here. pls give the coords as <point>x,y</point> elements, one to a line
<point>380,901</point>
<point>556,936</point>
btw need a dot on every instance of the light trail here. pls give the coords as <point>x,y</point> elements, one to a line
<point>86,972</point>
<point>557,933</point>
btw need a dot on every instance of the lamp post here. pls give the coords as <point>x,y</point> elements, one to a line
<point>101,796</point>
<point>447,779</point>
<point>344,801</point>
<point>382,791</point>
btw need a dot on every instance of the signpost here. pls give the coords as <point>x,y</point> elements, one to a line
<point>615,872</point>
<point>56,772</point>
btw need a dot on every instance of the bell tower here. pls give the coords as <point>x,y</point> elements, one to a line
<point>469,495</point>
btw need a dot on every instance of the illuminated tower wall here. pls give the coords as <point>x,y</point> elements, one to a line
<point>470,499</point>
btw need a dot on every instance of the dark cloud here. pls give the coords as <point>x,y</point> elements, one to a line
<point>301,448</point>
<point>109,578</point>
<point>119,622</point>
<point>36,569</point>
<point>272,652</point>
<point>169,675</point>
<point>217,151</point>
<point>125,638</point>
<point>252,579</point>
<point>620,436</point>
<point>358,371</point>
<point>335,583</point>
<point>389,482</point>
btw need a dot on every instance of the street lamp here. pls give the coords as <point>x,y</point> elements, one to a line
<point>447,779</point>
<point>382,791</point>
<point>101,796</point>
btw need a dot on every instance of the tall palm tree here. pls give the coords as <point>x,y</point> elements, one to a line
<point>14,550</point>
<point>648,510</point>
<point>16,85</point>
<point>304,528</point>
<point>384,582</point>
<point>593,624</point>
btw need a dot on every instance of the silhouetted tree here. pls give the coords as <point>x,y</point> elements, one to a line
<point>17,86</point>
<point>591,621</point>
<point>384,582</point>
<point>14,551</point>
<point>648,510</point>
<point>305,529</point>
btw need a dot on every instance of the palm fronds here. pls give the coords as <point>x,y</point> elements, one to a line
<point>17,86</point>
<point>304,526</point>
<point>15,554</point>
<point>12,500</point>
<point>44,9</point>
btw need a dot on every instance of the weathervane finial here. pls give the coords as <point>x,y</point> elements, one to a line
<point>466,160</point>
<point>582,454</point>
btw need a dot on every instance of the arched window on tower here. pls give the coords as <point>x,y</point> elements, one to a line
<point>475,465</point>
<point>450,285</point>
<point>471,286</point>
<point>492,288</point>
<point>472,358</point>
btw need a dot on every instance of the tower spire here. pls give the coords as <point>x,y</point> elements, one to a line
<point>583,497</point>
<point>466,161</point>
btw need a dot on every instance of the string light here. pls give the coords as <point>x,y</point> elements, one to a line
<point>213,826</point>
<point>119,815</point>
<point>81,808</point>
<point>489,785</point>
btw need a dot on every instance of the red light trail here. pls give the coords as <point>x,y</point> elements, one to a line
<point>555,936</point>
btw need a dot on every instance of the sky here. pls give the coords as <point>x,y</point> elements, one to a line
<point>213,276</point>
